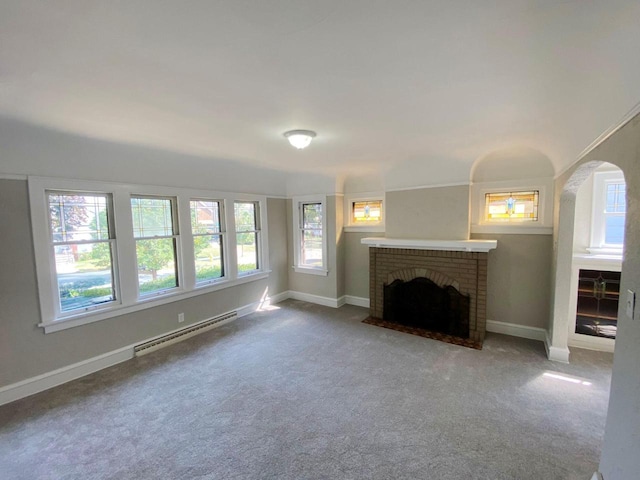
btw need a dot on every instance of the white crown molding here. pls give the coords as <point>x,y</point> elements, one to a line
<point>422,187</point>
<point>8,176</point>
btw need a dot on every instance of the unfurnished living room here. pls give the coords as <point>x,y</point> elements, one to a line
<point>320,240</point>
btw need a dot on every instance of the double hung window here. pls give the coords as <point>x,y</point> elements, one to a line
<point>83,243</point>
<point>208,245</point>
<point>310,235</point>
<point>247,236</point>
<point>155,233</point>
<point>609,210</point>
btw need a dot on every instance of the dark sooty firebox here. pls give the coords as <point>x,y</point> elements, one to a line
<point>421,303</point>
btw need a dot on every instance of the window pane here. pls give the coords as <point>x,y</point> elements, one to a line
<point>614,230</point>
<point>85,275</point>
<point>616,198</point>
<point>205,217</point>
<point>208,253</point>
<point>312,215</point>
<point>156,264</point>
<point>366,212</point>
<point>312,247</point>
<point>247,251</point>
<point>152,217</point>
<point>507,206</point>
<point>245,215</point>
<point>77,217</point>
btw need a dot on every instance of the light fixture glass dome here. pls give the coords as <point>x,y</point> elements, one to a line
<point>300,138</point>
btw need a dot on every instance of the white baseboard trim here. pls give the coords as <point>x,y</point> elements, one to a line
<point>357,301</point>
<point>308,297</point>
<point>515,330</point>
<point>279,297</point>
<point>48,380</point>
<point>592,343</point>
<point>62,375</point>
<point>597,476</point>
<point>555,354</point>
<point>317,299</point>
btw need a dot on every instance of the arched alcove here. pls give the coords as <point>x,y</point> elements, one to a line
<point>563,310</point>
<point>514,163</point>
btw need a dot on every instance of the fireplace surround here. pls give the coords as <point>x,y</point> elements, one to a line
<point>460,265</point>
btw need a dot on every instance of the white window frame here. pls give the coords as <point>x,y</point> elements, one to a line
<point>125,255</point>
<point>544,224</point>
<point>223,241</point>
<point>258,231</point>
<point>51,251</point>
<point>298,201</point>
<point>350,199</point>
<point>598,215</point>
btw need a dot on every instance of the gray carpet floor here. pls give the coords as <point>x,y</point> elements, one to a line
<point>309,392</point>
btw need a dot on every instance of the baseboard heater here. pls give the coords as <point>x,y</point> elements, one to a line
<point>183,334</point>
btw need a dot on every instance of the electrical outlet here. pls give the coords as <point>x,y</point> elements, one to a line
<point>631,303</point>
<point>180,317</point>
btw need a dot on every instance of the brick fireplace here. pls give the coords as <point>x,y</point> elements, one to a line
<point>460,263</point>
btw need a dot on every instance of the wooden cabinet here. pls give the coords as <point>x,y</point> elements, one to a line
<point>597,306</point>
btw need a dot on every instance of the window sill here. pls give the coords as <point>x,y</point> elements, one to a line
<point>364,228</point>
<point>614,252</point>
<point>512,228</point>
<point>146,302</point>
<point>311,271</point>
<point>598,262</point>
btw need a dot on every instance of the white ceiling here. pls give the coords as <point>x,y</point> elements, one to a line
<point>384,83</point>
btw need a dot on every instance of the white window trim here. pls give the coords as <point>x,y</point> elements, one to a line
<point>544,224</point>
<point>297,241</point>
<point>363,197</point>
<point>191,275</point>
<point>178,251</point>
<point>597,241</point>
<point>125,268</point>
<point>49,246</point>
<point>259,234</point>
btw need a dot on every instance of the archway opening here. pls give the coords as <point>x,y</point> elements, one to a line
<point>588,260</point>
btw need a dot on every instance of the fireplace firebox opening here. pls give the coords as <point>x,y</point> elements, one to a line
<point>421,303</point>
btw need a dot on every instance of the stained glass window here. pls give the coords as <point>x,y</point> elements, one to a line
<point>510,206</point>
<point>366,212</point>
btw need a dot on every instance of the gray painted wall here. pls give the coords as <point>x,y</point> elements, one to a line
<point>340,242</point>
<point>356,274</point>
<point>278,245</point>
<point>440,213</point>
<point>25,351</point>
<point>518,284</point>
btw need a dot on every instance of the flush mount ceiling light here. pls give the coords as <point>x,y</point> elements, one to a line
<point>300,138</point>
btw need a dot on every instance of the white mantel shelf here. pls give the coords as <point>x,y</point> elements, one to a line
<point>451,245</point>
